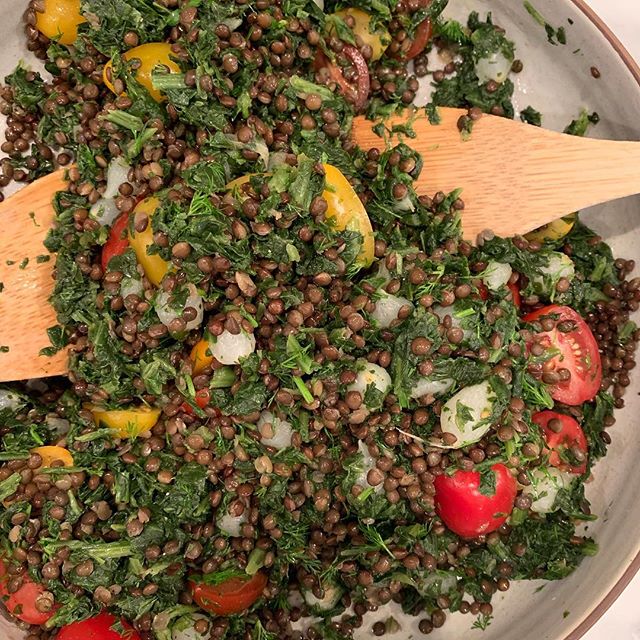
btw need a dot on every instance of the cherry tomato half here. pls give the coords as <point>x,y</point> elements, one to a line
<point>231,596</point>
<point>59,20</point>
<point>420,41</point>
<point>466,510</point>
<point>202,398</point>
<point>578,353</point>
<point>150,55</point>
<point>356,93</point>
<point>346,210</point>
<point>377,40</point>
<point>22,603</point>
<point>566,437</point>
<point>97,628</point>
<point>126,423</point>
<point>54,456</point>
<point>118,242</point>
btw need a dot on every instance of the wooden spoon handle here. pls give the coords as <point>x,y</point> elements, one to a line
<point>27,278</point>
<point>514,177</point>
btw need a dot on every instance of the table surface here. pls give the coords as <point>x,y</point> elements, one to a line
<point>622,621</point>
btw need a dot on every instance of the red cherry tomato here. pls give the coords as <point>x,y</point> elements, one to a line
<point>97,628</point>
<point>483,291</point>
<point>569,437</point>
<point>357,94</point>
<point>202,398</point>
<point>420,41</point>
<point>118,242</point>
<point>515,294</point>
<point>578,353</point>
<point>22,603</point>
<point>466,510</point>
<point>231,596</point>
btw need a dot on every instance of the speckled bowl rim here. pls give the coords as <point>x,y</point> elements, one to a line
<point>601,608</point>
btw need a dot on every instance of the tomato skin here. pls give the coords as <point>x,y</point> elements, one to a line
<point>229,597</point>
<point>118,242</point>
<point>21,604</point>
<point>570,436</point>
<point>51,454</point>
<point>126,423</point>
<point>200,356</point>
<point>377,40</point>
<point>422,37</point>
<point>467,512</point>
<point>150,55</point>
<point>345,208</point>
<point>202,398</point>
<point>578,353</point>
<point>97,628</point>
<point>515,294</point>
<point>60,20</point>
<point>155,268</point>
<point>357,94</point>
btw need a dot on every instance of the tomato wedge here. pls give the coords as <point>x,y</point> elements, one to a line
<point>202,398</point>
<point>515,294</point>
<point>231,596</point>
<point>565,438</point>
<point>118,242</point>
<point>97,628</point>
<point>468,508</point>
<point>357,94</point>
<point>420,41</point>
<point>578,354</point>
<point>22,603</point>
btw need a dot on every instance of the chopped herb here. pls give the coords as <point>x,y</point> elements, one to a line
<point>531,116</point>
<point>553,34</point>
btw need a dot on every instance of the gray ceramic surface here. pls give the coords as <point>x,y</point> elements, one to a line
<point>556,80</point>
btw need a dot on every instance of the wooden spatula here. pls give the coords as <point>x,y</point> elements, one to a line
<point>514,177</point>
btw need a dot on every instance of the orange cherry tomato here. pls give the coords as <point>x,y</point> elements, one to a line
<point>126,423</point>
<point>155,267</point>
<point>51,454</point>
<point>150,56</point>
<point>347,211</point>
<point>59,20</point>
<point>201,356</point>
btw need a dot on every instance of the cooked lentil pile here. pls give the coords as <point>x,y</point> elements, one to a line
<point>296,394</point>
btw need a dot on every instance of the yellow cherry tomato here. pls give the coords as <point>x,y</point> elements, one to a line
<point>348,212</point>
<point>378,40</point>
<point>554,230</point>
<point>127,423</point>
<point>155,268</point>
<point>59,20</point>
<point>52,454</point>
<point>150,55</point>
<point>201,357</point>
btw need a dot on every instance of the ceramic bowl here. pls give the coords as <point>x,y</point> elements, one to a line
<point>558,81</point>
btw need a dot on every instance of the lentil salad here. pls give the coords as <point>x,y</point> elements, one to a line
<point>290,376</point>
